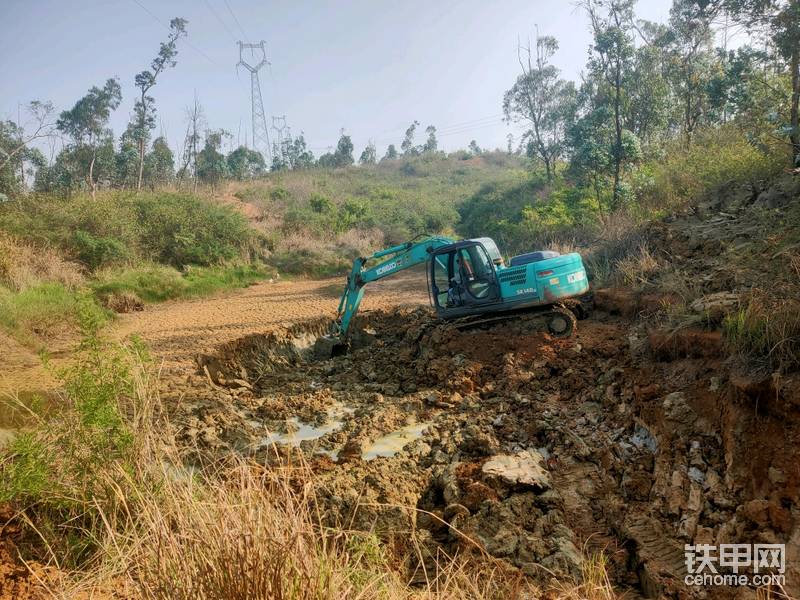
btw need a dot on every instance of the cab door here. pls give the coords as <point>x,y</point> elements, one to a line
<point>476,276</point>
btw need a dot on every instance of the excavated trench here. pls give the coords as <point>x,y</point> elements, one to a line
<point>537,451</point>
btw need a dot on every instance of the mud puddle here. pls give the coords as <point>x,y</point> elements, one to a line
<point>390,444</point>
<point>298,431</point>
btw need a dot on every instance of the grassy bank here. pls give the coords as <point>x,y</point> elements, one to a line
<point>115,253</point>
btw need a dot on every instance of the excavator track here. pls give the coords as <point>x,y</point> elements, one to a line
<point>560,320</point>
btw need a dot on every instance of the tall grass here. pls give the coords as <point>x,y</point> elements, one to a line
<point>766,328</point>
<point>40,312</point>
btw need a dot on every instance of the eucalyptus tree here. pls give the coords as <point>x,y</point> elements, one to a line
<point>542,99</point>
<point>144,112</point>
<point>86,124</point>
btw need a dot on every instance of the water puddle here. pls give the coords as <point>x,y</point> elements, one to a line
<point>299,431</point>
<point>391,443</point>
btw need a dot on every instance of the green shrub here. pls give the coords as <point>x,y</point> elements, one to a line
<point>97,252</point>
<point>170,228</point>
<point>279,194</point>
<point>63,466</point>
<point>717,157</point>
<point>320,204</point>
<point>180,229</point>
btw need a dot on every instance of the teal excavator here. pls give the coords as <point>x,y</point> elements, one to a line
<point>469,282</point>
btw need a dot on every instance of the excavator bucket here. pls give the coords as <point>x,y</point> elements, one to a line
<point>329,346</point>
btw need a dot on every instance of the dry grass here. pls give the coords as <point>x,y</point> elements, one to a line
<point>767,327</point>
<point>595,584</point>
<point>638,269</point>
<point>23,265</point>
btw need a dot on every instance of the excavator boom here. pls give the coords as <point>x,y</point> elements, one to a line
<point>395,259</point>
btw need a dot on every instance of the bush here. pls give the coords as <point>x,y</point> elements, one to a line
<point>183,230</point>
<point>717,157</point>
<point>766,328</point>
<point>174,229</point>
<point>95,252</point>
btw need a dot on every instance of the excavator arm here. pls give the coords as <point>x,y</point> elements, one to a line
<point>394,260</point>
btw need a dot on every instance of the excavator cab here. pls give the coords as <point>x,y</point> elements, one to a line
<point>462,277</point>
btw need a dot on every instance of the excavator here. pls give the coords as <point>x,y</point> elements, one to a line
<point>469,283</point>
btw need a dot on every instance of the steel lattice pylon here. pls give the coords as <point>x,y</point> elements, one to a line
<point>260,133</point>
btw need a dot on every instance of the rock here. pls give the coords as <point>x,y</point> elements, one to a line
<point>351,451</point>
<point>716,306</point>
<point>695,502</point>
<point>476,493</point>
<point>677,410</point>
<point>697,475</point>
<point>756,511</point>
<point>454,511</point>
<point>524,469</point>
<point>636,484</point>
<point>776,477</point>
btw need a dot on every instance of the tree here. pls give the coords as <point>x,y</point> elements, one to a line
<point>431,144</point>
<point>300,157</point>
<point>408,147</point>
<point>327,161</point>
<point>244,163</point>
<point>343,155</point>
<point>780,21</point>
<point>542,98</point>
<point>144,109</point>
<point>211,164</point>
<point>195,123</point>
<point>17,158</point>
<point>87,124</point>
<point>690,39</point>
<point>159,164</point>
<point>126,162</point>
<point>510,143</point>
<point>474,149</point>
<point>610,63</point>
<point>391,153</point>
<point>370,155</point>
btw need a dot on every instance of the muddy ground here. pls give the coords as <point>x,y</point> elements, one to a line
<point>537,450</point>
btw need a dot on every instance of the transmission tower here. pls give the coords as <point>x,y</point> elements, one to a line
<point>279,126</point>
<point>260,133</point>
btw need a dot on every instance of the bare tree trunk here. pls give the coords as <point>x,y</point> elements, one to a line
<point>141,164</point>
<point>92,184</point>
<point>618,134</point>
<point>794,117</point>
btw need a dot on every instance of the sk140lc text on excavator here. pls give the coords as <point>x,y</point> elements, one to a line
<point>468,281</point>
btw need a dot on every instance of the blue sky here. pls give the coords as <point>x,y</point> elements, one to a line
<point>370,67</point>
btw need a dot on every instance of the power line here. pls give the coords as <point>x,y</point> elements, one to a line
<point>238,24</point>
<point>187,42</point>
<point>224,26</point>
